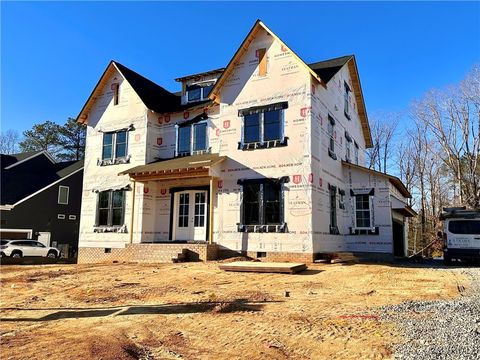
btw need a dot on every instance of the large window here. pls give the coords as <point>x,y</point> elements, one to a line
<point>198,92</point>
<point>192,139</point>
<point>262,205</point>
<point>263,126</point>
<point>115,145</point>
<point>362,212</point>
<point>111,208</point>
<point>464,227</point>
<point>331,137</point>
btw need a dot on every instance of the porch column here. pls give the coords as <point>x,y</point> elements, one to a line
<point>213,188</point>
<point>133,210</point>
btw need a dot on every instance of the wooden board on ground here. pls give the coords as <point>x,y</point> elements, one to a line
<point>268,267</point>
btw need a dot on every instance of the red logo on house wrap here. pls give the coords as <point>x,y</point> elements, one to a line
<point>167,119</point>
<point>220,184</point>
<point>305,111</point>
<point>159,141</point>
<point>297,179</point>
<point>163,191</point>
<point>186,114</point>
<point>160,120</point>
<point>283,48</point>
<point>320,182</point>
<point>310,178</point>
<point>217,132</point>
<point>146,190</point>
<point>137,137</point>
<point>226,124</point>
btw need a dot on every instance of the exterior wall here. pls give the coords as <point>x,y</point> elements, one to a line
<point>105,117</point>
<point>39,213</point>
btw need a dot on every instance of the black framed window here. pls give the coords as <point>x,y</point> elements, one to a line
<point>116,93</point>
<point>198,92</point>
<point>111,208</point>
<point>346,98</point>
<point>333,206</point>
<point>263,126</point>
<point>115,145</point>
<point>262,202</point>
<point>356,152</point>
<point>192,138</point>
<point>331,137</point>
<point>362,211</point>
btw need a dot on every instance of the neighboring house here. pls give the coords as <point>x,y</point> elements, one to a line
<point>40,199</point>
<point>263,157</point>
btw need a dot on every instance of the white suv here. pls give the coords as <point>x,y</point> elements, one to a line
<point>21,248</point>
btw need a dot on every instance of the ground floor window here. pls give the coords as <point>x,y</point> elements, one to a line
<point>333,209</point>
<point>262,205</point>
<point>111,208</point>
<point>362,212</point>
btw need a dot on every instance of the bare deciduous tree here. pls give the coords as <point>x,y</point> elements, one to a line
<point>9,142</point>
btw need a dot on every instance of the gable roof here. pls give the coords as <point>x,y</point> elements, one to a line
<point>152,95</point>
<point>11,160</point>
<point>20,182</point>
<point>259,25</point>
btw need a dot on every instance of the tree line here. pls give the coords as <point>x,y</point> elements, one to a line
<point>64,142</point>
<point>436,156</point>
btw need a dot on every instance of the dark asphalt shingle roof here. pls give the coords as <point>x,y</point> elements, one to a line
<point>154,96</point>
<point>328,68</point>
<point>10,159</point>
<point>27,178</point>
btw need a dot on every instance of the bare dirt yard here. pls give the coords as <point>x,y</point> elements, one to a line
<point>196,311</point>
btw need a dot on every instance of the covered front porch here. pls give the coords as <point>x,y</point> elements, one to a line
<point>174,200</point>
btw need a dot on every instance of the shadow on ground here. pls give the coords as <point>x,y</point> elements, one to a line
<point>237,305</point>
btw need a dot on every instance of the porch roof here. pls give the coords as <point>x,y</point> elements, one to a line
<point>181,165</point>
<point>406,211</point>
<point>395,181</point>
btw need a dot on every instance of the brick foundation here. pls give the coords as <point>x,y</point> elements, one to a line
<point>148,253</point>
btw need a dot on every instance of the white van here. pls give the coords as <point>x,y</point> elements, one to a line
<point>461,234</point>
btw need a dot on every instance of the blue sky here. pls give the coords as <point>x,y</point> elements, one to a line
<point>53,53</point>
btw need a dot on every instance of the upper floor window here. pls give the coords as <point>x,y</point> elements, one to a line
<point>356,152</point>
<point>115,145</point>
<point>192,139</point>
<point>262,205</point>
<point>346,97</point>
<point>263,126</point>
<point>198,92</point>
<point>63,193</point>
<point>116,93</point>
<point>111,208</point>
<point>348,147</point>
<point>331,137</point>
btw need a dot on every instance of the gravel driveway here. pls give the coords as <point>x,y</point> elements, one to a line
<point>440,329</point>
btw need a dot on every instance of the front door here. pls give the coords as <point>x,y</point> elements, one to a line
<point>190,215</point>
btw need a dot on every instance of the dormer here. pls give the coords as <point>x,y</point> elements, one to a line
<point>196,87</point>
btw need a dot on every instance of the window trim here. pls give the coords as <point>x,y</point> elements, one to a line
<point>59,192</point>
<point>192,137</point>
<point>356,151</point>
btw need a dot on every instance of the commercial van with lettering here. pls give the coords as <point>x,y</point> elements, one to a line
<point>461,235</point>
